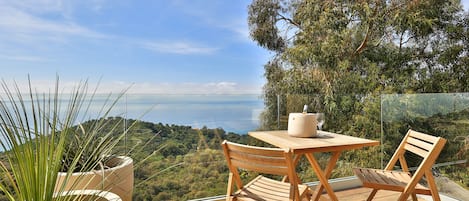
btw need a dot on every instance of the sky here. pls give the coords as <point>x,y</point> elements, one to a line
<point>157,46</point>
<point>153,46</point>
<point>465,4</point>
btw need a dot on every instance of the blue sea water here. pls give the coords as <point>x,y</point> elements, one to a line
<point>233,113</point>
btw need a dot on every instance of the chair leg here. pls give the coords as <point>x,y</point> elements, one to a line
<point>414,197</point>
<point>372,195</point>
<point>432,185</point>
<point>309,193</point>
<point>229,188</point>
<point>404,195</point>
<point>306,198</point>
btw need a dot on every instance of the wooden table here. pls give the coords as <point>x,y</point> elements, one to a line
<point>324,142</point>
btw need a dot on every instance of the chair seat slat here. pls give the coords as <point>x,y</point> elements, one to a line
<point>267,188</point>
<point>264,188</point>
<point>274,184</point>
<point>381,177</point>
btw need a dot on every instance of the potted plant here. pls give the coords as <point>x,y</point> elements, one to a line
<point>89,161</point>
<point>34,136</point>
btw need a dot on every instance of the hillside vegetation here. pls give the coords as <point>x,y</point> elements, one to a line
<point>174,162</point>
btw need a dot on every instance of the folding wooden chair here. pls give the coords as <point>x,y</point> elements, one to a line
<point>272,161</point>
<point>426,146</point>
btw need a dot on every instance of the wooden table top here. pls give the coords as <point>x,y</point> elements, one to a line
<point>323,142</point>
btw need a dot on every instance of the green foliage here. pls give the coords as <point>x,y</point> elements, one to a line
<point>196,174</point>
<point>174,162</point>
<point>90,145</point>
<point>34,129</point>
<point>32,155</point>
<point>346,53</point>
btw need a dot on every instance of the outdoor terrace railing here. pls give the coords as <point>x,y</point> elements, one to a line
<point>385,118</point>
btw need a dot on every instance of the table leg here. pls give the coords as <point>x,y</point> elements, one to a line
<point>296,159</point>
<point>323,176</point>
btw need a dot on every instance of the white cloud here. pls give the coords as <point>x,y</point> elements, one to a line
<point>43,86</point>
<point>219,14</point>
<point>34,27</point>
<point>18,22</point>
<point>239,27</point>
<point>24,23</point>
<point>23,28</point>
<point>193,88</point>
<point>178,48</point>
<point>37,6</point>
<point>64,8</point>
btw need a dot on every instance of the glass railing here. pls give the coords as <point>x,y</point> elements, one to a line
<point>195,168</point>
<point>441,114</point>
<point>176,142</point>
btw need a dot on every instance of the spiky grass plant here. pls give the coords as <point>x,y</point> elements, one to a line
<point>35,130</point>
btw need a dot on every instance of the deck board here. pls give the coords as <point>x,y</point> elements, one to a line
<point>357,194</point>
<point>360,194</point>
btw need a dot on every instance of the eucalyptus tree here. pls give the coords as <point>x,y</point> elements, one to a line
<point>346,53</point>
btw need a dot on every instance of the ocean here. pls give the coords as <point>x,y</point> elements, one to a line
<point>233,113</point>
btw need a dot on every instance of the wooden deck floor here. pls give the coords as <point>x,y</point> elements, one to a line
<point>359,194</point>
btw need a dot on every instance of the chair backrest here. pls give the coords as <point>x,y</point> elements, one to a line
<point>274,161</point>
<point>426,146</point>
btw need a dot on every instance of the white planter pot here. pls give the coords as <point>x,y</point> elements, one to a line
<point>118,179</point>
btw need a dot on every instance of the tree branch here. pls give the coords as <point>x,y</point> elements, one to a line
<point>368,31</point>
<point>289,20</point>
<point>365,41</point>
